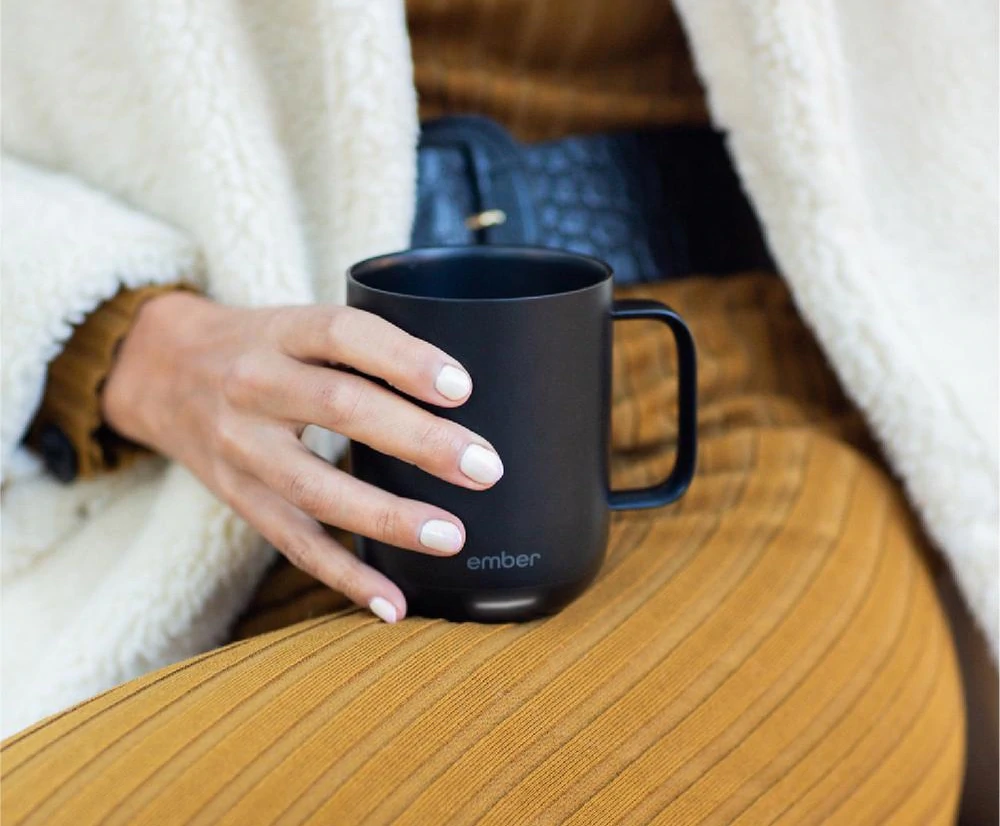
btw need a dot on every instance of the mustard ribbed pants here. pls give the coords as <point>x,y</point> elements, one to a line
<point>769,650</point>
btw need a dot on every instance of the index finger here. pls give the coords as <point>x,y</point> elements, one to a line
<point>371,345</point>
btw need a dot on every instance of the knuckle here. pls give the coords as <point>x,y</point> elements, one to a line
<point>423,357</point>
<point>407,355</point>
<point>342,399</point>
<point>328,393</point>
<point>340,327</point>
<point>305,489</point>
<point>302,552</point>
<point>349,578</point>
<point>275,322</point>
<point>244,381</point>
<point>226,438</point>
<point>396,348</point>
<point>225,483</point>
<point>325,394</point>
<point>438,443</point>
<point>388,525</point>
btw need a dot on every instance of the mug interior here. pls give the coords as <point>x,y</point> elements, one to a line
<point>480,273</point>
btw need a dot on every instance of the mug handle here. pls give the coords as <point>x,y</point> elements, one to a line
<point>674,486</point>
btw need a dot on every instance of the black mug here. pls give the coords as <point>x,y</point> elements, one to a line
<point>533,328</point>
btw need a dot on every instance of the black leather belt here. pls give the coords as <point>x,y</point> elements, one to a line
<point>655,205</point>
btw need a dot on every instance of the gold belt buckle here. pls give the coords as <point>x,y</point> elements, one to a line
<point>486,218</point>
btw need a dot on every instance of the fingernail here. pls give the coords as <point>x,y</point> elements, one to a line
<point>481,465</point>
<point>441,536</point>
<point>383,609</point>
<point>453,383</point>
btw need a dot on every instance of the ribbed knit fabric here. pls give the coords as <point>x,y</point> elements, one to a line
<point>553,68</point>
<point>769,650</point>
<point>76,376</point>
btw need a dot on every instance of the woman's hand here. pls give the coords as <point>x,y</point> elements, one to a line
<point>228,392</point>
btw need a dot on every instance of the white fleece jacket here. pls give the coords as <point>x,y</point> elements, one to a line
<point>259,148</point>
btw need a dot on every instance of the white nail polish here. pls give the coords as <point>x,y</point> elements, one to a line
<point>481,465</point>
<point>441,536</point>
<point>453,383</point>
<point>383,609</point>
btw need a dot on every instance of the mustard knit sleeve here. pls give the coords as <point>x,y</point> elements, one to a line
<point>68,429</point>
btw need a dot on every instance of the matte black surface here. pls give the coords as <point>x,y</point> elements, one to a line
<point>533,327</point>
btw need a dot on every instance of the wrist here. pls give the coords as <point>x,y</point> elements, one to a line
<point>142,374</point>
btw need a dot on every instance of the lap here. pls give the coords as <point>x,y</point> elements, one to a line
<point>770,650</point>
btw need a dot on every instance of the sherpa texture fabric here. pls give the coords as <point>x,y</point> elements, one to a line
<point>257,149</point>
<point>252,148</point>
<point>865,134</point>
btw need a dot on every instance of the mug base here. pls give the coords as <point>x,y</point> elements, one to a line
<point>492,606</point>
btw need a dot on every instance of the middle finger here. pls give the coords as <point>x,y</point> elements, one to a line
<point>366,412</point>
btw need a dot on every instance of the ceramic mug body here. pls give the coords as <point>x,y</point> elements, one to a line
<point>533,328</point>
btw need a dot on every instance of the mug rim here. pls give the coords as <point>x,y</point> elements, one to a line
<point>479,252</point>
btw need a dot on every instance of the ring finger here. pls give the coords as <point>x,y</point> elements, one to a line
<point>337,498</point>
